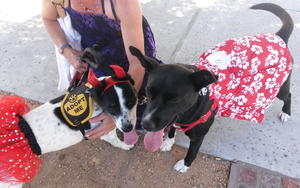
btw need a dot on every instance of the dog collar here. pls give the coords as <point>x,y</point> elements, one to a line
<point>203,119</point>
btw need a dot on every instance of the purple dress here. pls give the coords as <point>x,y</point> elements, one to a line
<point>100,29</point>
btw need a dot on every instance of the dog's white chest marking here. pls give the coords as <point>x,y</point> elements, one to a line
<point>167,144</point>
<point>127,115</point>
<point>51,134</point>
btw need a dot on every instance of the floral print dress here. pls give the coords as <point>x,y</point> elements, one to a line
<point>251,71</point>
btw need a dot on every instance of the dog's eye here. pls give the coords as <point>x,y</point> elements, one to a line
<point>112,106</point>
<point>171,98</point>
<point>174,99</point>
<point>130,104</point>
<point>151,93</point>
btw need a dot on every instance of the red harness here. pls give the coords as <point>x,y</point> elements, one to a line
<point>202,119</point>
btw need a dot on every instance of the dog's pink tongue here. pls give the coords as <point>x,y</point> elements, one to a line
<point>153,140</point>
<point>130,138</point>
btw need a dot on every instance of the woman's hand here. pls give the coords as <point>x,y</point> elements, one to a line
<point>107,126</point>
<point>73,56</point>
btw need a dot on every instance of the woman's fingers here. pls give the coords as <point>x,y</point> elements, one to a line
<point>73,57</point>
<point>96,132</point>
<point>98,118</point>
<point>107,126</point>
<point>81,67</point>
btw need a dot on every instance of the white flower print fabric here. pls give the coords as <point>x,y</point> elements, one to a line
<point>251,71</point>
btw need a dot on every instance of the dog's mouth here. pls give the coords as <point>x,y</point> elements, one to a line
<point>154,140</point>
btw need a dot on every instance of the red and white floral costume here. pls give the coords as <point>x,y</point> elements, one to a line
<point>18,164</point>
<point>251,71</point>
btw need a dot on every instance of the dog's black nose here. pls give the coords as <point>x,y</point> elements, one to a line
<point>127,128</point>
<point>148,125</point>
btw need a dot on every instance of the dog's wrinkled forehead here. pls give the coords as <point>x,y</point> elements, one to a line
<point>111,100</point>
<point>169,77</point>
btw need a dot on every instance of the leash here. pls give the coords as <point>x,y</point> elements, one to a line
<point>76,106</point>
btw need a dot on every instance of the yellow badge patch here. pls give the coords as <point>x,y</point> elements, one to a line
<point>76,106</point>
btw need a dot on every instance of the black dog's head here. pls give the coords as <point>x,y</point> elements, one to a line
<point>117,97</point>
<point>171,90</point>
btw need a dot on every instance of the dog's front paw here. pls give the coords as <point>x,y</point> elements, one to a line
<point>167,144</point>
<point>284,117</point>
<point>113,139</point>
<point>180,166</point>
<point>121,145</point>
<point>125,146</point>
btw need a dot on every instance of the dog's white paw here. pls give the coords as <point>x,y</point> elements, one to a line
<point>284,117</point>
<point>113,139</point>
<point>118,143</point>
<point>124,146</point>
<point>167,144</point>
<point>180,166</point>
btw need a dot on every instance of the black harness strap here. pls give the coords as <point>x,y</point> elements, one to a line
<point>113,10</point>
<point>103,8</point>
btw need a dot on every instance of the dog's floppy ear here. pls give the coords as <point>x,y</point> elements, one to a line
<point>147,62</point>
<point>202,79</point>
<point>93,58</point>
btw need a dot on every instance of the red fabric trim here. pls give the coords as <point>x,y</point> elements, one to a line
<point>119,71</point>
<point>18,163</point>
<point>92,79</point>
<point>76,77</point>
<point>199,121</point>
<point>111,82</point>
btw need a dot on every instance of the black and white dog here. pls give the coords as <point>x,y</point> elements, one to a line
<point>113,94</point>
<point>188,96</point>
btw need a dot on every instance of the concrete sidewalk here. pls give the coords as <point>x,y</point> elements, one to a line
<point>183,29</point>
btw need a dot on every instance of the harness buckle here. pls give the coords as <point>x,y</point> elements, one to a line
<point>142,100</point>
